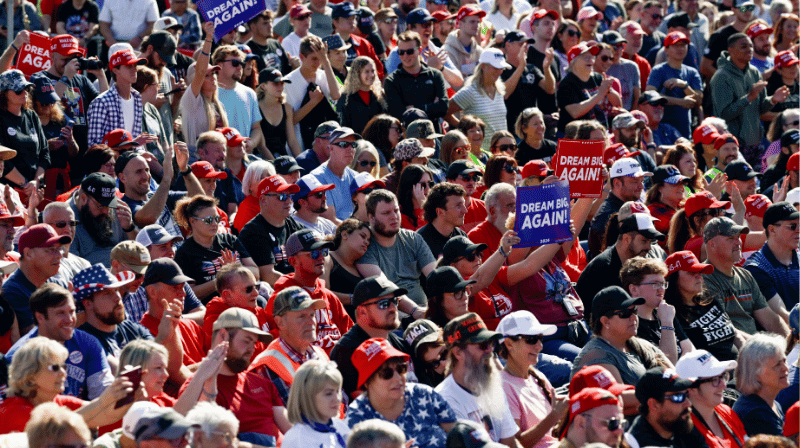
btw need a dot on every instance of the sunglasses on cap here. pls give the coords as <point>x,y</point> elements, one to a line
<point>281,196</point>
<point>677,398</point>
<point>367,163</point>
<point>510,169</point>
<point>383,304</point>
<point>529,339</point>
<point>624,314</point>
<point>438,361</point>
<point>472,178</point>
<point>387,373</point>
<point>234,62</point>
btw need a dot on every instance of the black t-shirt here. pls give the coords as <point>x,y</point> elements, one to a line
<point>526,153</point>
<point>547,103</point>
<point>265,242</point>
<point>78,21</point>
<point>709,328</point>
<point>26,136</point>
<point>270,55</point>
<point>436,240</point>
<point>201,263</point>
<point>651,41</point>
<point>525,95</point>
<point>113,343</point>
<point>774,83</point>
<point>6,316</point>
<point>182,64</point>
<point>650,330</point>
<point>718,42</point>
<point>646,435</point>
<point>572,90</point>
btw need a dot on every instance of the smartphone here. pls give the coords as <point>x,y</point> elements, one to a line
<point>175,90</point>
<point>134,375</point>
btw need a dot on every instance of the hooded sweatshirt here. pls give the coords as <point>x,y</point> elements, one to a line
<point>465,61</point>
<point>729,89</point>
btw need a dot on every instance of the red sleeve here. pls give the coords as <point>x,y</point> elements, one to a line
<point>69,401</point>
<point>14,415</point>
<point>340,316</point>
<point>47,7</point>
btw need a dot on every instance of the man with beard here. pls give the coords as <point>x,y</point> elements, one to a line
<point>375,299</point>
<point>310,203</point>
<point>159,49</point>
<point>474,388</point>
<point>759,32</point>
<point>40,259</point>
<point>652,104</point>
<point>251,397</point>
<point>666,413</point>
<point>62,220</point>
<point>403,9</point>
<point>636,236</point>
<point>501,200</point>
<point>296,319</point>
<point>445,210</point>
<point>595,416</point>
<point>103,220</point>
<point>627,130</point>
<point>727,147</point>
<point>467,176</point>
<point>399,254</point>
<point>306,251</point>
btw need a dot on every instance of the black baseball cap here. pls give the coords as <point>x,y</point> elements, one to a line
<point>374,287</point>
<point>517,36</point>
<point>779,211</point>
<point>740,170</point>
<point>271,74</point>
<point>123,159</point>
<point>102,188</point>
<point>790,137</point>
<point>164,44</point>
<point>412,115</point>
<point>641,223</point>
<point>611,299</point>
<point>658,381</point>
<point>165,270</point>
<point>286,165</point>
<point>460,167</point>
<point>468,328</point>
<point>680,19</point>
<point>446,279</point>
<point>652,97</point>
<point>460,246</point>
<point>613,37</point>
<point>44,91</point>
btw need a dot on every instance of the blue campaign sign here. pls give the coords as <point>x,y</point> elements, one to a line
<point>543,214</point>
<point>228,14</point>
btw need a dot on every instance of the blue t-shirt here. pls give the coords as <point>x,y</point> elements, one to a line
<point>114,342</point>
<point>88,373</point>
<point>241,106</point>
<point>677,116</point>
<point>762,66</point>
<point>666,134</point>
<point>425,410</point>
<point>17,291</point>
<point>339,197</point>
<point>758,417</point>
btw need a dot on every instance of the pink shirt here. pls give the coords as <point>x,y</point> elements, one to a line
<point>528,404</point>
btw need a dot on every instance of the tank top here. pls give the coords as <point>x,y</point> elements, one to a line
<point>343,281</point>
<point>275,136</point>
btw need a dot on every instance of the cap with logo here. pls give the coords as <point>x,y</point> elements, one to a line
<point>468,434</point>
<point>310,185</point>
<point>685,260</point>
<point>632,28</point>
<point>271,74</point>
<point>343,132</point>
<point>616,152</point>
<point>740,3</point>
<point>242,319</point>
<point>294,299</point>
<point>232,136</point>
<point>658,381</point>
<point>785,59</point>
<point>793,164</point>
<point>306,240</point>
<point>422,128</point>
<point>40,235</point>
<point>299,10</point>
<point>5,213</point>
<point>523,323</point>
<point>365,20</point>
<point>167,23</point>
<point>705,134</point>
<point>119,140</point>
<point>725,139</point>
<point>467,329</point>
<point>410,148</point>
<point>44,91</point>
<point>629,208</point>
<point>125,57</point>
<point>459,246</point>
<point>248,52</point>
<point>790,137</point>
<point>629,167</point>
<point>364,181</point>
<point>420,332</point>
<point>700,363</point>
<point>97,278</point>
<point>641,223</point>
<point>613,37</point>
<point>161,423</point>
<point>588,12</point>
<point>469,10</point>
<point>740,170</point>
<point>65,45</point>
<point>495,58</point>
<point>418,16</point>
<point>335,42</point>
<point>674,38</point>
<point>517,36</point>
<point>446,279</point>
<point>668,174</point>
<point>779,211</point>
<point>374,287</point>
<point>682,20</point>
<point>596,376</point>
<point>370,356</point>
<point>723,226</point>
<point>701,201</point>
<point>13,80</point>
<point>652,98</point>
<point>586,400</point>
<point>102,188</point>
<point>580,49</point>
<point>461,167</point>
<point>155,234</point>
<point>205,170</point>
<point>641,116</point>
<point>276,184</point>
<point>165,270</point>
<point>133,255</point>
<point>285,165</point>
<point>756,205</point>
<point>611,299</point>
<point>164,44</point>
<point>757,29</point>
<point>344,9</point>
<point>135,412</point>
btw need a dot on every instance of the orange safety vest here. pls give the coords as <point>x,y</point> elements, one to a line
<point>277,360</point>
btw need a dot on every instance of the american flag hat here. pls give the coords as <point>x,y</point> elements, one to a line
<point>97,278</point>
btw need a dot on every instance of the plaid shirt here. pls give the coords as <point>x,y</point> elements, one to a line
<point>191,26</point>
<point>105,115</point>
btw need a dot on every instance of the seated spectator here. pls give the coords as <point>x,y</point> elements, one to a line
<point>685,159</point>
<point>384,132</point>
<point>475,130</point>
<point>500,202</point>
<point>428,351</point>
<point>367,159</point>
<point>316,421</point>
<point>500,169</point>
<point>444,211</point>
<point>249,207</point>
<point>686,226</point>
<point>310,203</point>
<point>407,152</point>
<point>237,287</point>
<point>589,405</point>
<point>664,198</point>
<point>363,184</point>
<point>530,128</point>
<point>162,425</point>
<point>761,373</point>
<point>337,171</point>
<point>51,423</point>
<point>448,295</point>
<point>776,172</point>
<point>362,95</point>
<point>652,104</point>
<point>783,122</point>
<point>61,218</point>
<point>376,431</point>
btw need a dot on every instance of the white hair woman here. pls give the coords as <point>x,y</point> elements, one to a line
<point>218,426</point>
<point>761,374</point>
<point>314,406</point>
<point>249,208</point>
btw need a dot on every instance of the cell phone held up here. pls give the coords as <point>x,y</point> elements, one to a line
<point>134,375</point>
<point>89,64</point>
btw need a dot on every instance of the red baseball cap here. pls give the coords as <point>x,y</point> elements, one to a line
<point>792,425</point>
<point>536,168</point>
<point>675,37</point>
<point>276,184</point>
<point>632,28</point>
<point>757,29</point>
<point>586,400</point>
<point>581,48</point>
<point>232,136</point>
<point>723,139</point>
<point>685,260</point>
<point>204,170</point>
<point>617,151</point>
<point>794,162</point>
<point>596,376</point>
<point>705,134</point>
<point>756,205</point>
<point>299,11</point>
<point>703,200</point>
<point>124,57</point>
<point>41,235</point>
<point>468,10</point>
<point>539,13</point>
<point>785,59</point>
<point>441,16</point>
<point>370,356</point>
<point>16,220</point>
<point>65,45</point>
<point>118,139</point>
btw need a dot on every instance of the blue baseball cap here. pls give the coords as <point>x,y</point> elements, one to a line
<point>344,9</point>
<point>310,185</point>
<point>419,15</point>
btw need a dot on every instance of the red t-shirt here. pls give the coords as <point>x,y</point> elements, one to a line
<point>216,306</point>
<point>247,210</point>
<point>575,262</point>
<point>162,400</point>
<point>405,221</point>
<point>487,234</point>
<point>332,321</point>
<point>476,214</point>
<point>192,337</point>
<point>16,411</point>
<point>493,302</point>
<point>726,415</point>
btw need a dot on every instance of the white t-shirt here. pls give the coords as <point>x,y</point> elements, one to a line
<point>291,44</point>
<point>302,435</point>
<point>466,408</point>
<point>296,91</point>
<point>323,226</point>
<point>127,112</point>
<point>128,18</point>
<point>491,111</point>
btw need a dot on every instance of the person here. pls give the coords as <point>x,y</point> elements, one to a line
<point>665,418</point>
<point>320,148</point>
<point>363,184</point>
<point>774,265</point>
<point>629,130</point>
<point>390,251</point>
<point>568,34</point>
<point>651,103</point>
<point>51,423</point>
<point>713,418</point>
<point>500,202</point>
<point>425,415</point>
<point>428,351</point>
<point>696,312</point>
<point>61,218</point>
<point>310,202</point>
<point>376,433</point>
<point>697,211</point>
<point>778,171</point>
<point>530,128</point>
<point>684,158</point>
<point>337,171</point>
<point>524,80</point>
<point>785,34</point>
<point>299,16</point>
<point>595,416</point>
<point>463,45</point>
<point>272,103</point>
<point>632,31</point>
<point>761,373</point>
<point>464,174</point>
<point>367,159</point>
<point>582,90</point>
<point>614,344</point>
<point>162,425</point>
<point>362,96</point>
<point>531,398</point>
<point>407,152</point>
<point>269,51</point>
<point>249,208</point>
<point>666,195</point>
<point>625,71</point>
<point>449,295</point>
<point>439,226</point>
<point>735,286</point>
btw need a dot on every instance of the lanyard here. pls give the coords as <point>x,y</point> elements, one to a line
<point>721,422</point>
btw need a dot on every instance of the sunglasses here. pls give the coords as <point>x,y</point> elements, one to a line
<point>249,289</point>
<point>438,361</point>
<point>461,150</point>
<point>367,191</point>
<point>529,339</point>
<point>234,62</point>
<point>405,52</point>
<point>656,16</point>
<point>677,398</point>
<point>715,381</point>
<point>612,424</point>
<point>605,58</point>
<point>468,178</point>
<point>315,254</point>
<point>792,226</point>
<point>573,33</point>
<point>62,224</point>
<point>747,8</point>
<point>57,367</point>
<point>210,220</point>
<point>345,145</point>
<point>367,163</point>
<point>383,304</point>
<point>510,169</point>
<point>390,21</point>
<point>318,195</point>
<point>487,344</point>
<point>426,185</point>
<point>507,148</point>
<point>624,314</point>
<point>281,196</point>
<point>471,257</point>
<point>387,373</point>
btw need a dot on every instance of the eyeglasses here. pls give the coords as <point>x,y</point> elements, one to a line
<point>62,224</point>
<point>345,145</point>
<point>511,169</point>
<point>656,16</point>
<point>624,314</point>
<point>367,163</point>
<point>210,220</point>
<point>611,424</point>
<point>573,33</point>
<point>383,304</point>
<point>461,150</point>
<point>57,367</point>
<point>507,148</point>
<point>405,52</point>
<point>605,58</point>
<point>715,381</point>
<point>234,62</point>
<point>792,226</point>
<point>315,254</point>
<point>397,129</point>
<point>747,8</point>
<point>471,257</point>
<point>460,295</point>
<point>529,339</point>
<point>318,195</point>
<point>426,184</point>
<point>281,196</point>
<point>438,361</point>
<point>656,285</point>
<point>390,20</point>
<point>249,289</point>
<point>677,398</point>
<point>468,178</point>
<point>487,344</point>
<point>387,373</point>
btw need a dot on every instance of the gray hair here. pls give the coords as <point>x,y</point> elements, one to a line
<point>55,206</point>
<point>718,123</point>
<point>752,356</point>
<point>28,361</point>
<point>255,173</point>
<point>495,191</point>
<point>375,433</point>
<point>210,416</point>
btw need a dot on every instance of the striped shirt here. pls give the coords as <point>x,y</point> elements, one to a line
<point>491,111</point>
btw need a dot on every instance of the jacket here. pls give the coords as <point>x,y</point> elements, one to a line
<point>425,91</point>
<point>465,62</point>
<point>277,360</point>
<point>729,89</point>
<point>355,114</point>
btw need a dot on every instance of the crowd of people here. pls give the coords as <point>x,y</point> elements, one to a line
<point>302,232</point>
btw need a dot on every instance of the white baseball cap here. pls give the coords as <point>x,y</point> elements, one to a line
<point>793,196</point>
<point>628,166</point>
<point>495,58</point>
<point>523,323</point>
<point>136,411</point>
<point>701,364</point>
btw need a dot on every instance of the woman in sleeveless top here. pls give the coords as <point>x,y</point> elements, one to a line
<point>275,109</point>
<point>351,241</point>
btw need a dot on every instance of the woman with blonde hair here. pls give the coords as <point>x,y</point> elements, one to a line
<point>366,159</point>
<point>785,34</point>
<point>362,96</point>
<point>249,208</point>
<point>530,128</point>
<point>274,109</point>
<point>52,425</point>
<point>314,407</point>
<point>455,146</point>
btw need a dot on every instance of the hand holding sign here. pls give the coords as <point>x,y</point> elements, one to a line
<point>543,214</point>
<point>229,14</point>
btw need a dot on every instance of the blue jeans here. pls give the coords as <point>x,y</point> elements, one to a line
<point>557,345</point>
<point>555,369</point>
<point>257,438</point>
